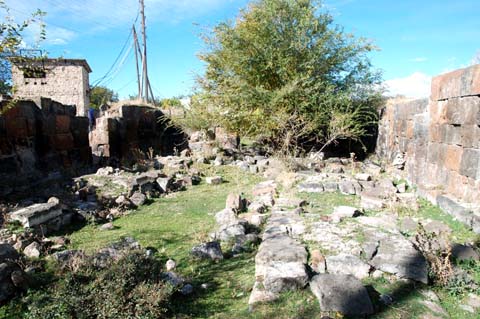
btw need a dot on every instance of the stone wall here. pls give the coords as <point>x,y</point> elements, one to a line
<point>129,131</point>
<point>440,137</point>
<point>65,81</point>
<point>38,139</point>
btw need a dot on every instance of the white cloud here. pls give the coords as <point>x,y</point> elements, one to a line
<point>88,15</point>
<point>419,59</point>
<point>59,36</point>
<point>416,85</point>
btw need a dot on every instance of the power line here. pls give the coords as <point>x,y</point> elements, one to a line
<point>97,82</point>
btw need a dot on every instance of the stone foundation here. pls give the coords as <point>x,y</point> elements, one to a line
<point>37,139</point>
<point>130,132</point>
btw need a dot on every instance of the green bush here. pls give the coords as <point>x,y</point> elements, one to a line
<point>130,288</point>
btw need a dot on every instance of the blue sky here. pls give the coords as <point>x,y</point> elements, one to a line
<point>417,39</point>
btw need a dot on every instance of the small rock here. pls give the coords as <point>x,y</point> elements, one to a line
<point>437,227</point>
<point>120,200</point>
<point>258,219</point>
<point>257,208</point>
<point>317,262</point>
<point>342,212</point>
<point>205,286</point>
<point>107,226</point>
<point>170,265</point>
<point>473,301</point>
<point>254,169</point>
<point>138,199</point>
<point>210,250</point>
<point>218,161</point>
<point>105,171</point>
<point>187,290</point>
<point>467,308</point>
<point>164,183</point>
<point>235,202</point>
<point>408,225</point>
<point>214,180</point>
<point>464,252</point>
<point>399,161</point>
<point>174,279</point>
<point>371,202</point>
<point>386,299</point>
<point>363,177</point>
<point>32,250</point>
<point>19,279</point>
<point>402,188</point>
<point>311,188</point>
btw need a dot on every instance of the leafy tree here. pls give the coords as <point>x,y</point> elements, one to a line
<point>101,95</point>
<point>284,71</point>
<point>11,38</point>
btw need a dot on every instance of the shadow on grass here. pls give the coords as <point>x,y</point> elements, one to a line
<point>222,283</point>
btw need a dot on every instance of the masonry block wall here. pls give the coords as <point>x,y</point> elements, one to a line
<point>38,139</point>
<point>62,80</point>
<point>440,137</point>
<point>129,130</point>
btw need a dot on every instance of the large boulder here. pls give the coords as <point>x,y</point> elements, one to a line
<point>280,262</point>
<point>341,293</point>
<point>210,250</point>
<point>345,264</point>
<point>396,255</point>
<point>38,214</point>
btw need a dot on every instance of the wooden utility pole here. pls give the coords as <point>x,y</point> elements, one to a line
<point>144,59</point>
<point>136,49</point>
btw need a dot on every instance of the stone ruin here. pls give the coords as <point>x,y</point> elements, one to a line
<point>45,141</point>
<point>127,132</point>
<point>438,142</point>
<point>37,141</point>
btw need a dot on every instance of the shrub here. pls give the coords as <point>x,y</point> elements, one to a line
<point>131,287</point>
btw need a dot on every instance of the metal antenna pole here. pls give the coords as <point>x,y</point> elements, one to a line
<point>136,49</point>
<point>144,35</point>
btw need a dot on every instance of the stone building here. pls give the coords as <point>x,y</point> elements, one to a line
<point>62,80</point>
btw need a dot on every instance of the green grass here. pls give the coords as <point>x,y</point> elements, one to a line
<point>176,223</point>
<point>324,203</point>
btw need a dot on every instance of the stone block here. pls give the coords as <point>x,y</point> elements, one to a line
<point>470,135</point>
<point>453,135</point>
<point>459,83</point>
<point>454,111</point>
<point>434,133</point>
<point>450,206</point>
<point>62,124</point>
<point>421,123</point>
<point>470,163</point>
<point>453,157</point>
<point>38,214</point>
<point>17,128</point>
<point>341,293</point>
<point>409,133</point>
<point>63,142</point>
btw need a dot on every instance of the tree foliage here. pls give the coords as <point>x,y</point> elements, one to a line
<point>11,39</point>
<point>284,71</point>
<point>101,95</point>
